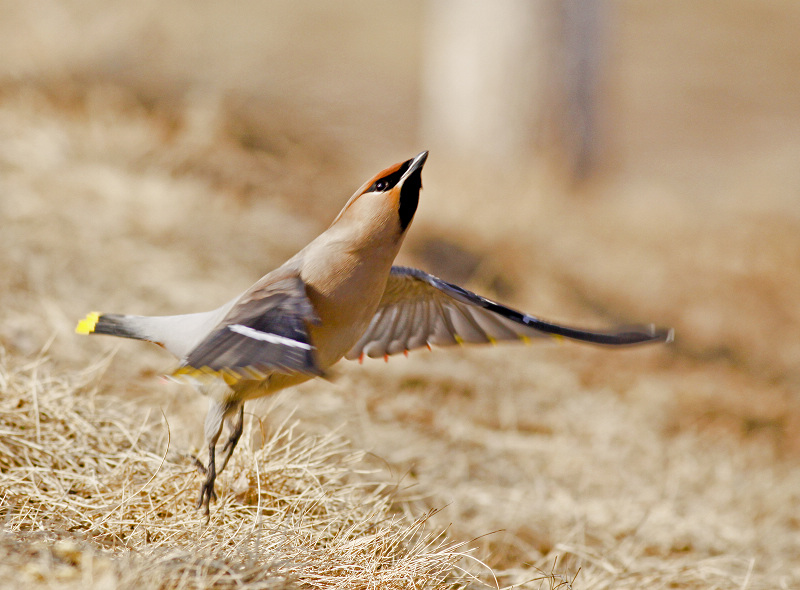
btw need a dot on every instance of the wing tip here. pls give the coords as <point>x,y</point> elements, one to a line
<point>666,335</point>
<point>654,333</point>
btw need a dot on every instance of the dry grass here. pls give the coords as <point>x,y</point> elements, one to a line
<point>93,495</point>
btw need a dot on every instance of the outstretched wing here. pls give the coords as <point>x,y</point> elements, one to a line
<point>418,309</point>
<point>266,331</point>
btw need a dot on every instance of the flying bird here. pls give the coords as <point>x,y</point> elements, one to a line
<point>339,297</point>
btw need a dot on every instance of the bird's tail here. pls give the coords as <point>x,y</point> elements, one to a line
<point>111,324</point>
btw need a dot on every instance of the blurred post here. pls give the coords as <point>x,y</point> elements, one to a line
<point>505,81</point>
<point>582,37</point>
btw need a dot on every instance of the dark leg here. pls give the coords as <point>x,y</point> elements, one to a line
<point>207,489</point>
<point>235,424</point>
<point>213,428</point>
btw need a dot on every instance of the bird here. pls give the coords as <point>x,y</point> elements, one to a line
<point>339,297</point>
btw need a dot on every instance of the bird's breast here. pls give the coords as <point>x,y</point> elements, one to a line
<point>345,297</point>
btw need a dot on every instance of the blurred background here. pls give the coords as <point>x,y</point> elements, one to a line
<point>593,162</point>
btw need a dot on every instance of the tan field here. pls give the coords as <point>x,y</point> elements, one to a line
<point>158,158</point>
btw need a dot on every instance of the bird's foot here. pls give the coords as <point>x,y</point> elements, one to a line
<point>207,493</point>
<point>199,465</point>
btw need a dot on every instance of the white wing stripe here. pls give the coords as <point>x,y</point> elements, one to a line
<point>267,337</point>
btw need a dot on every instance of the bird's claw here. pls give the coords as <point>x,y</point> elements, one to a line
<point>207,494</point>
<point>199,465</point>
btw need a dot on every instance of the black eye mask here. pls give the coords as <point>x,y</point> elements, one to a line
<point>390,180</point>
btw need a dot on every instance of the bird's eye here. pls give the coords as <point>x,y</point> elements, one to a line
<point>388,181</point>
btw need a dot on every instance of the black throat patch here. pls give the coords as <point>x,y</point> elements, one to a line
<point>409,198</point>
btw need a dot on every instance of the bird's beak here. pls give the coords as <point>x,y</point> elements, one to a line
<point>416,165</point>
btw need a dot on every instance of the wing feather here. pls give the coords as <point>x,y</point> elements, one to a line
<point>445,332</point>
<point>377,348</point>
<point>421,336</point>
<point>266,331</point>
<point>467,329</point>
<point>495,329</point>
<point>426,310</point>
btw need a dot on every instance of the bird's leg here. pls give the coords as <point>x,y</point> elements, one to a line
<point>207,492</point>
<point>199,465</point>
<point>213,428</point>
<point>235,422</point>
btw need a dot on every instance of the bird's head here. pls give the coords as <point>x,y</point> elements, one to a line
<point>385,204</point>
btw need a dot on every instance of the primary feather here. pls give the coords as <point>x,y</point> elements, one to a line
<point>418,309</point>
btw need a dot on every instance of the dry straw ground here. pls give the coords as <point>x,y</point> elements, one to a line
<point>93,494</point>
<point>166,187</point>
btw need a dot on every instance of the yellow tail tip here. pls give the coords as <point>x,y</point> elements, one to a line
<point>87,324</point>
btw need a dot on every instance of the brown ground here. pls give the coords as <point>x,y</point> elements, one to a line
<point>158,159</point>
